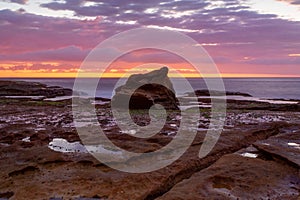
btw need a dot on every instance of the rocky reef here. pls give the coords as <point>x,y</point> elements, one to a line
<point>42,156</point>
<point>218,93</point>
<point>22,88</point>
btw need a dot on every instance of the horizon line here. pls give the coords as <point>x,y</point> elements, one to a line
<point>52,77</point>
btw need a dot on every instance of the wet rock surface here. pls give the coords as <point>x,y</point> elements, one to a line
<point>236,177</point>
<point>42,156</point>
<point>285,146</point>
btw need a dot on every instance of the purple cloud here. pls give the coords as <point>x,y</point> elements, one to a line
<point>70,53</point>
<point>237,32</point>
<point>23,32</point>
<point>19,1</point>
<point>295,2</point>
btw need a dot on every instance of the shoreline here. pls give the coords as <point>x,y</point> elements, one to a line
<point>41,151</point>
<point>66,93</point>
<point>264,87</point>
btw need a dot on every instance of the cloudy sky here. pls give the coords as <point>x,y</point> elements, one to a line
<point>51,38</point>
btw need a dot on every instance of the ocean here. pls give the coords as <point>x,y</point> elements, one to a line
<point>268,88</point>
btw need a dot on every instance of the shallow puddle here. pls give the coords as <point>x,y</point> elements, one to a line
<point>249,155</point>
<point>62,145</point>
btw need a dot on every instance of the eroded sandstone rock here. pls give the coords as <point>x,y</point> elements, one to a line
<point>145,90</point>
<point>237,177</point>
<point>286,146</point>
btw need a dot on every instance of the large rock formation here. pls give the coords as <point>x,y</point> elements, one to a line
<point>145,90</point>
<point>22,88</point>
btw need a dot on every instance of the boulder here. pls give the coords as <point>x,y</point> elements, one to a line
<point>145,90</point>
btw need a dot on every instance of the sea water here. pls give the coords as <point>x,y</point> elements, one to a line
<point>269,88</point>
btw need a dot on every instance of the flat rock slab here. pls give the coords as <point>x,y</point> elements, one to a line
<point>238,177</point>
<point>286,146</point>
<point>37,172</point>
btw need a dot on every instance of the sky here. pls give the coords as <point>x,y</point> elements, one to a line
<point>245,38</point>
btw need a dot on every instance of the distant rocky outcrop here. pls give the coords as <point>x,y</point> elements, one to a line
<point>145,90</point>
<point>218,93</point>
<point>23,88</point>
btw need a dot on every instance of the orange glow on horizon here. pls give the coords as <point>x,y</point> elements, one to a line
<point>57,70</point>
<point>32,74</point>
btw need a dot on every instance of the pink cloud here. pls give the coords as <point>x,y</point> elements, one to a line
<point>244,38</point>
<point>22,33</point>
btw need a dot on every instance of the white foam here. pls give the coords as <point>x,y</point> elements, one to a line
<point>242,98</point>
<point>60,98</point>
<point>99,102</point>
<point>25,97</point>
<point>194,106</point>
